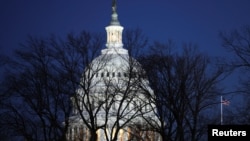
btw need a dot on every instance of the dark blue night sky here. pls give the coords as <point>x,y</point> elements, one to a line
<point>196,21</point>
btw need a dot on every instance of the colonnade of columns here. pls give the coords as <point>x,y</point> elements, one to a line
<point>78,133</point>
<point>81,133</point>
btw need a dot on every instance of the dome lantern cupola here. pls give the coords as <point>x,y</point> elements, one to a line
<point>114,34</point>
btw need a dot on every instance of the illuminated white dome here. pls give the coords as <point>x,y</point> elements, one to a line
<point>113,90</point>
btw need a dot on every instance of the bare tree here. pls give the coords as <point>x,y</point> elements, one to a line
<point>37,101</point>
<point>134,93</point>
<point>237,42</point>
<point>74,59</point>
<point>135,42</point>
<point>110,96</point>
<point>40,80</point>
<point>185,85</point>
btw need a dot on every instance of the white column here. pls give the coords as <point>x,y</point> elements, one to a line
<point>72,133</point>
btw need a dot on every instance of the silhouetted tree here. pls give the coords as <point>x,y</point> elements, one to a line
<point>37,97</point>
<point>73,59</point>
<point>41,78</point>
<point>186,85</point>
<point>237,42</point>
<point>113,92</point>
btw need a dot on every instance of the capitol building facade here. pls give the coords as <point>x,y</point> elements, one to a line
<point>113,100</point>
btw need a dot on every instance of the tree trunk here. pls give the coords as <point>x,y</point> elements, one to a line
<point>93,136</point>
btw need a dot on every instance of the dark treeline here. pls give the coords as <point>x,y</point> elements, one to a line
<point>42,76</point>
